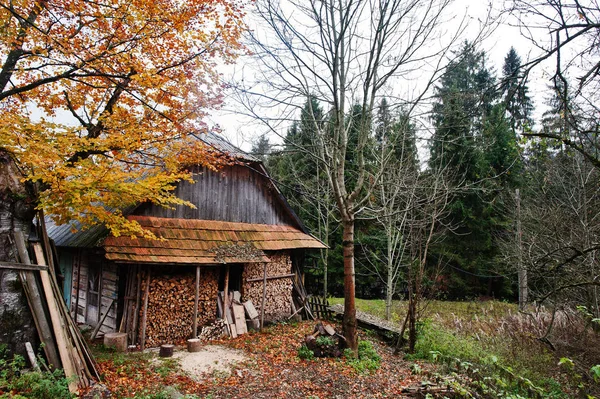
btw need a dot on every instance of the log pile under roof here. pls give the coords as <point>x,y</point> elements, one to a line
<point>169,316</point>
<point>278,298</point>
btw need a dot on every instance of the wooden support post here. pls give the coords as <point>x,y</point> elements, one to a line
<point>226,289</point>
<point>264,295</point>
<point>60,333</point>
<point>138,299</point>
<point>196,298</point>
<point>145,311</point>
<point>232,331</point>
<point>32,291</point>
<point>75,316</point>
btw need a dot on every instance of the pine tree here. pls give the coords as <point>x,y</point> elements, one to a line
<point>515,92</point>
<point>466,125</point>
<point>261,148</point>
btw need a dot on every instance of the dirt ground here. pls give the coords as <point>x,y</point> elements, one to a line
<point>210,359</point>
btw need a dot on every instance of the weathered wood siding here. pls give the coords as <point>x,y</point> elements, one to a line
<point>234,194</point>
<point>84,263</point>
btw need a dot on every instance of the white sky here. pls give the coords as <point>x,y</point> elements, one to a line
<point>242,130</point>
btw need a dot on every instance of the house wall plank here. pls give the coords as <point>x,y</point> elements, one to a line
<point>235,194</point>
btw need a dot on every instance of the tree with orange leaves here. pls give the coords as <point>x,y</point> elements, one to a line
<point>99,101</point>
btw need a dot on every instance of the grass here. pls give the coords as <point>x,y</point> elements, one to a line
<point>444,310</point>
<point>494,337</point>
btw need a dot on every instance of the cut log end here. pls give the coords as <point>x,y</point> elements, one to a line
<point>194,345</point>
<point>166,350</point>
<point>116,340</point>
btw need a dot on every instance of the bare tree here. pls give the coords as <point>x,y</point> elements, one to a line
<point>566,35</point>
<point>560,220</point>
<point>344,53</point>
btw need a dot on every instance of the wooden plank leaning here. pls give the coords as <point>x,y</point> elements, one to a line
<point>85,365</point>
<point>60,330</point>
<point>36,304</point>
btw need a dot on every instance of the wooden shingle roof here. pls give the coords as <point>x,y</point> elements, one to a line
<point>192,241</point>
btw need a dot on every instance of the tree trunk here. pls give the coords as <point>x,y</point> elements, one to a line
<point>16,214</point>
<point>522,271</point>
<point>349,322</point>
<point>412,321</point>
<point>389,292</point>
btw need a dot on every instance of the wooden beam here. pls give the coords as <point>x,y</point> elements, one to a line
<point>226,289</point>
<point>21,266</point>
<point>64,346</point>
<point>264,295</point>
<point>252,280</point>
<point>32,291</point>
<point>78,286</point>
<point>145,311</point>
<point>138,296</point>
<point>196,298</point>
<point>93,336</point>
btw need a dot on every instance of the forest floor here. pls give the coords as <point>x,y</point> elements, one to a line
<point>464,349</point>
<point>271,369</point>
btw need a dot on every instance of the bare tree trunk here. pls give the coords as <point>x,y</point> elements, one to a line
<point>522,277</point>
<point>389,293</point>
<point>412,322</point>
<point>349,322</point>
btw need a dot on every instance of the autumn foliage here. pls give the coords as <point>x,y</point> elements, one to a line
<point>101,101</point>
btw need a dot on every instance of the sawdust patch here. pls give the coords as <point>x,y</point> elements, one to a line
<point>211,358</point>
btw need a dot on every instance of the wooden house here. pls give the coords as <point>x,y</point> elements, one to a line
<point>241,234</point>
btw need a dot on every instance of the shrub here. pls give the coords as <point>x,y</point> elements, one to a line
<point>367,360</point>
<point>43,385</point>
<point>324,341</point>
<point>33,385</point>
<point>305,354</point>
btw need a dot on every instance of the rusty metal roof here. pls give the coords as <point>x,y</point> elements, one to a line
<point>187,241</point>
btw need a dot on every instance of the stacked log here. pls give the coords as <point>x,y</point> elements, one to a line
<point>171,305</point>
<point>215,330</point>
<point>279,290</point>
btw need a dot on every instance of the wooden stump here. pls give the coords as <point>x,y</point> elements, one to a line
<point>194,345</point>
<point>166,350</point>
<point>116,340</point>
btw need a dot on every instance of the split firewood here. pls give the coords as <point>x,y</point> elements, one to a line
<point>215,330</point>
<point>171,305</point>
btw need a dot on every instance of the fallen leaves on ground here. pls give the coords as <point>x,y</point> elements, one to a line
<point>273,370</point>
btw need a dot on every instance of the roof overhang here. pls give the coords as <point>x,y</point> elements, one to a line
<point>191,241</point>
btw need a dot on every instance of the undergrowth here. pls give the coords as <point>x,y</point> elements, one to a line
<point>18,383</point>
<point>366,360</point>
<point>483,370</point>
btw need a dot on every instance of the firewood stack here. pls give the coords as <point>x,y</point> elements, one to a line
<point>215,330</point>
<point>279,290</point>
<point>171,305</point>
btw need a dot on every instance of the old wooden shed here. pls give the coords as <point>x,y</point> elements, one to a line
<point>240,231</point>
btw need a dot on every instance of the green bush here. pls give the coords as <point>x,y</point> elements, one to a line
<point>32,385</point>
<point>305,354</point>
<point>488,373</point>
<point>324,341</point>
<point>42,385</point>
<point>367,359</point>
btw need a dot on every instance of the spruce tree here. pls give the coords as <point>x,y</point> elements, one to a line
<point>466,123</point>
<point>519,105</point>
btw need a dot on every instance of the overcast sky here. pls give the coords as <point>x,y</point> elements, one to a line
<point>242,130</point>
